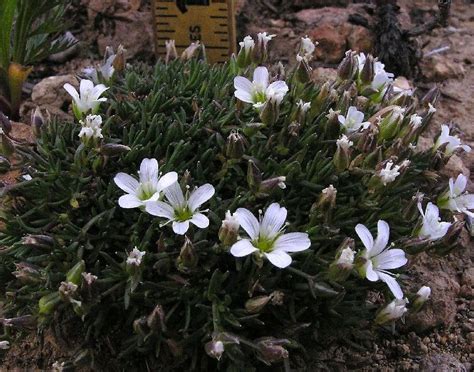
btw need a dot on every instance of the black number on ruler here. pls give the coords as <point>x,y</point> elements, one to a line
<point>181,4</point>
<point>195,33</point>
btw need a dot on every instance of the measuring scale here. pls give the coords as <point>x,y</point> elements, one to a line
<point>211,22</point>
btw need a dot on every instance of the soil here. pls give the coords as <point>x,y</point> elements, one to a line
<point>441,336</point>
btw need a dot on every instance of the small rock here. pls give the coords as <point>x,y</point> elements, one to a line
<point>454,167</point>
<point>441,363</point>
<point>321,74</point>
<point>360,39</point>
<point>470,336</point>
<point>332,42</point>
<point>440,68</point>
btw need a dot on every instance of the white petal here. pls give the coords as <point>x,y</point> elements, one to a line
<point>365,236</point>
<point>392,284</point>
<point>383,234</point>
<point>126,182</point>
<point>243,96</point>
<point>432,212</point>
<point>160,209</point>
<point>260,77</point>
<point>167,180</point>
<point>200,220</point>
<point>129,201</point>
<point>180,228</point>
<point>273,220</point>
<point>466,201</point>
<point>248,222</point>
<point>278,87</point>
<point>85,86</point>
<point>391,259</point>
<point>341,119</point>
<point>72,91</point>
<point>243,84</point>
<point>201,195</point>
<point>292,242</point>
<point>242,248</point>
<point>459,185</point>
<point>174,194</point>
<point>279,258</point>
<point>98,90</point>
<point>370,273</point>
<point>149,171</point>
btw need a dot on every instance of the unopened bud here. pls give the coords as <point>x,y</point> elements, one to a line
<point>270,112</point>
<point>235,147</point>
<point>5,123</point>
<point>21,322</point>
<point>7,147</point>
<point>421,297</point>
<point>327,199</point>
<point>244,58</point>
<point>215,349</point>
<point>5,164</point>
<point>303,72</point>
<point>392,312</point>
<point>37,121</point>
<point>345,70</point>
<point>431,97</point>
<point>187,259</point>
<point>366,75</point>
<point>260,52</point>
<point>113,149</point>
<point>272,349</point>
<point>256,304</point>
<point>38,241</point>
<point>171,52</point>
<point>254,176</point>
<point>342,157</point>
<point>452,236</point>
<point>120,59</point>
<point>75,273</point>
<point>190,51</point>
<point>229,230</point>
<point>27,273</point>
<point>67,290</point>
<point>139,326</point>
<point>48,302</point>
<point>156,320</point>
<point>271,184</point>
<point>342,266</point>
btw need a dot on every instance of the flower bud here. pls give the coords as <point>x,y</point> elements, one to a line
<point>120,59</point>
<point>113,149</point>
<point>67,290</point>
<point>5,123</point>
<point>332,128</point>
<point>171,53</point>
<point>390,124</point>
<point>229,230</point>
<point>188,258</point>
<point>214,349</point>
<point>156,320</point>
<point>431,97</point>
<point>235,147</point>
<point>303,72</point>
<point>410,212</point>
<point>48,302</point>
<point>451,238</point>
<point>254,176</point>
<point>342,266</point>
<point>27,273</point>
<point>7,147</point>
<point>244,58</point>
<point>21,322</point>
<point>190,51</point>
<point>5,164</point>
<point>392,312</point>
<point>272,349</point>
<point>256,304</point>
<point>366,75</point>
<point>421,297</point>
<point>38,241</point>
<point>301,110</point>
<point>139,326</point>
<point>75,273</point>
<point>345,70</point>
<point>89,278</point>
<point>270,111</point>
<point>4,345</point>
<point>342,157</point>
<point>260,52</point>
<point>344,101</point>
<point>269,185</point>
<point>327,199</point>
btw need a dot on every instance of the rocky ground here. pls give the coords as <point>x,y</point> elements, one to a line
<point>441,337</point>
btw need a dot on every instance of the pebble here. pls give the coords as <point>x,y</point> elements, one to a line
<point>470,336</point>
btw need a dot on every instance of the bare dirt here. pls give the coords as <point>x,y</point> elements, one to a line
<point>441,336</point>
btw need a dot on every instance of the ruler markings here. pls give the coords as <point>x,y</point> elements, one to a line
<point>162,23</point>
<point>219,17</point>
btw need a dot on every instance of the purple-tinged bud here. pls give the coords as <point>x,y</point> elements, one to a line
<point>294,129</point>
<point>139,326</point>
<point>345,70</point>
<point>235,147</point>
<point>431,97</point>
<point>303,72</point>
<point>188,258</point>
<point>344,102</point>
<point>272,349</point>
<point>21,322</point>
<point>229,230</point>
<point>38,241</point>
<point>215,349</point>
<point>120,59</point>
<point>271,184</point>
<point>342,266</point>
<point>270,111</point>
<point>362,103</point>
<point>156,320</point>
<point>67,291</point>
<point>342,157</point>
<point>257,304</point>
<point>7,147</point>
<point>366,75</point>
<point>89,278</point>
<point>114,149</point>
<point>327,199</point>
<point>5,123</point>
<point>452,236</point>
<point>332,128</point>
<point>254,176</point>
<point>37,121</point>
<point>260,52</point>
<point>27,273</point>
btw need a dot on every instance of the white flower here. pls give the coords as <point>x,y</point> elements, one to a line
<point>393,311</point>
<point>415,121</point>
<point>381,77</point>
<point>4,345</point>
<point>353,121</point>
<point>106,71</point>
<point>88,98</point>
<point>346,257</point>
<point>264,38</point>
<point>89,278</point>
<point>453,142</point>
<point>379,258</point>
<point>432,228</point>
<point>424,293</point>
<point>135,257</point>
<point>306,50</point>
<point>388,174</point>
<point>455,199</point>
<point>303,106</point>
<point>267,236</point>
<point>149,187</point>
<point>180,210</point>
<point>247,44</point>
<point>431,108</point>
<point>91,127</point>
<point>259,91</point>
<point>344,142</point>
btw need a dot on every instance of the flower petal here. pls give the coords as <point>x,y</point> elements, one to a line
<point>242,248</point>
<point>390,259</point>
<point>460,184</point>
<point>243,96</point>
<point>174,194</point>
<point>167,180</point>
<point>160,209</point>
<point>149,171</point>
<point>248,222</point>
<point>180,227</point>
<point>273,220</point>
<point>278,258</point>
<point>383,234</point>
<point>278,88</point>
<point>201,195</point>
<point>365,236</point>
<point>126,182</point>
<point>260,77</point>
<point>370,273</point>
<point>200,220</point>
<point>72,91</point>
<point>85,87</point>
<point>129,201</point>
<point>392,284</point>
<point>243,84</point>
<point>292,242</point>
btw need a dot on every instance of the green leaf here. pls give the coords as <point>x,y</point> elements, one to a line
<point>7,14</point>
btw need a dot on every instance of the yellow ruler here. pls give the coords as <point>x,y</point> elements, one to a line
<point>211,22</point>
